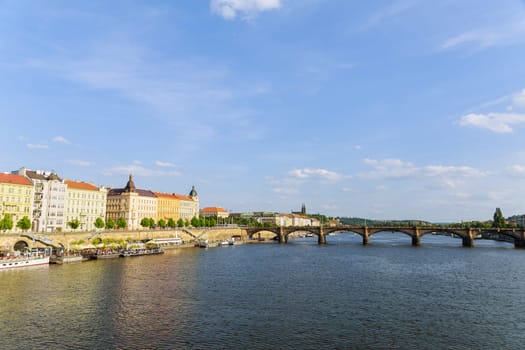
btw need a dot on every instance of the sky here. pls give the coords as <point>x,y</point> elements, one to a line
<point>401,109</point>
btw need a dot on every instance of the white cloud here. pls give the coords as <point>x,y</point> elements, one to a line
<point>78,162</point>
<point>394,9</point>
<point>496,122</point>
<point>517,170</point>
<point>463,171</point>
<point>287,190</point>
<point>139,170</point>
<point>389,168</point>
<point>61,139</point>
<point>396,168</point>
<point>519,99</point>
<point>499,122</point>
<point>164,164</point>
<point>309,173</point>
<point>502,34</point>
<point>247,9</point>
<point>36,146</point>
<point>189,93</point>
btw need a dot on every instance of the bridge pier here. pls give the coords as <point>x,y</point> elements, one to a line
<point>365,236</point>
<point>282,237</point>
<point>519,243</point>
<point>416,240</point>
<point>468,240</point>
<point>321,238</point>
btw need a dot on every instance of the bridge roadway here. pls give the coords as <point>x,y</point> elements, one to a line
<point>416,232</point>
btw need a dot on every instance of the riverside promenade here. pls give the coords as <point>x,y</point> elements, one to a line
<point>8,241</point>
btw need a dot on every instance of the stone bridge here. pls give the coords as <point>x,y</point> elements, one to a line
<point>416,232</point>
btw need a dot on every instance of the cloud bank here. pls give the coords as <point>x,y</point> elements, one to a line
<point>246,9</point>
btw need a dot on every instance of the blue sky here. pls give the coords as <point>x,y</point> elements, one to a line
<point>403,109</point>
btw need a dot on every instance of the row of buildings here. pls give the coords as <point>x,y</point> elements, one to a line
<point>50,202</point>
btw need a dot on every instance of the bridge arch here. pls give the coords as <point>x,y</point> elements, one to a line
<point>254,231</point>
<point>408,232</point>
<point>313,231</point>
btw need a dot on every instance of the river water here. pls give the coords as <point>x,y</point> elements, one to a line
<point>388,295</point>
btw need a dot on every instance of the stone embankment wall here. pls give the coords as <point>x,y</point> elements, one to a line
<point>8,240</point>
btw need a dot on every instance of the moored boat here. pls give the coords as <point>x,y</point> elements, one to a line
<point>12,260</point>
<point>140,252</point>
<point>203,243</point>
<point>106,256</point>
<point>65,259</point>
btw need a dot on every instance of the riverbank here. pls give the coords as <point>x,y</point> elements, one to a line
<point>79,239</point>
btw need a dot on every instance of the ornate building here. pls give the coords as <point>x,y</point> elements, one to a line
<point>132,204</point>
<point>189,205</point>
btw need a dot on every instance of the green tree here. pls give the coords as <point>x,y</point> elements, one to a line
<point>499,220</point>
<point>180,222</point>
<point>24,223</point>
<point>74,224</point>
<point>171,223</point>
<point>195,222</point>
<point>6,223</point>
<point>121,223</point>
<point>186,223</point>
<point>162,223</point>
<point>145,223</point>
<point>99,223</point>
<point>110,224</point>
<point>152,223</point>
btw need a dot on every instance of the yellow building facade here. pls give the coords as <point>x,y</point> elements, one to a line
<point>168,206</point>
<point>16,197</point>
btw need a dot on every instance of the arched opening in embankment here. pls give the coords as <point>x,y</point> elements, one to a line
<point>21,246</point>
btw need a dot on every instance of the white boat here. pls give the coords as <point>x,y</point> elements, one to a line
<point>203,243</point>
<point>12,261</point>
<point>224,243</point>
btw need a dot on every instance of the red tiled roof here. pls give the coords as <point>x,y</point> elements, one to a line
<point>182,197</point>
<point>15,179</point>
<point>165,195</point>
<point>213,210</point>
<point>81,185</point>
<point>172,196</point>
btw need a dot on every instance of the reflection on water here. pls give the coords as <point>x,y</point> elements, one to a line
<point>386,295</point>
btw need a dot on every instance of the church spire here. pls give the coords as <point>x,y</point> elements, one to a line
<point>193,192</point>
<point>130,186</point>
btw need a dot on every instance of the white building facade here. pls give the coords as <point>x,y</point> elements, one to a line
<point>49,204</point>
<point>85,203</point>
